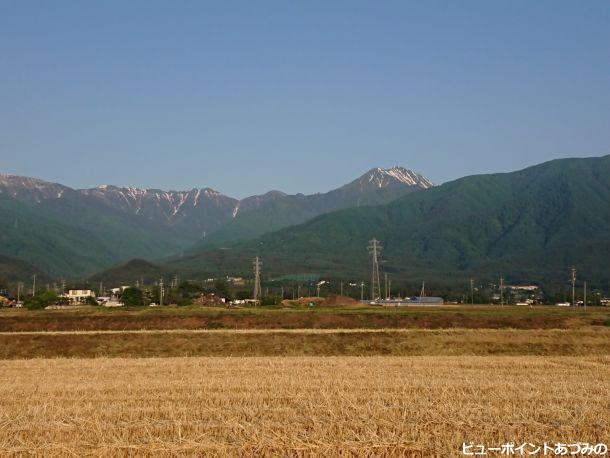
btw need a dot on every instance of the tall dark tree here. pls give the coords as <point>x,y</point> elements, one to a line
<point>132,297</point>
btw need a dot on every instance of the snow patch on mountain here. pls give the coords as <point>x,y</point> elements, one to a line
<point>30,189</point>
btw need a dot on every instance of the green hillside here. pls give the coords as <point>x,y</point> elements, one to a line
<point>75,233</point>
<point>136,270</point>
<point>74,240</point>
<point>14,270</point>
<point>530,225</point>
<point>275,210</point>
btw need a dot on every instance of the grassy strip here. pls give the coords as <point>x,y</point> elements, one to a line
<point>594,341</point>
<point>477,317</point>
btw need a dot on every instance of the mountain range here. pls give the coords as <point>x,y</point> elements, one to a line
<point>76,232</point>
<point>531,225</point>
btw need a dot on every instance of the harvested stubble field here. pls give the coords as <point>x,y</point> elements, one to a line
<point>269,382</point>
<point>268,406</point>
<point>307,342</point>
<point>471,317</point>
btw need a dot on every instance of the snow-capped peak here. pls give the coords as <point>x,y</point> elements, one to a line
<point>382,178</point>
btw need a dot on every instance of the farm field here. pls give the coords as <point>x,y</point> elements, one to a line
<point>306,342</point>
<point>489,317</point>
<point>325,406</point>
<point>300,382</point>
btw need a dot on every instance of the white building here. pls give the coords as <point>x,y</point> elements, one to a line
<point>79,296</point>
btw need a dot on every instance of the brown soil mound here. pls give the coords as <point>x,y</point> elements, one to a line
<point>330,301</point>
<point>340,301</point>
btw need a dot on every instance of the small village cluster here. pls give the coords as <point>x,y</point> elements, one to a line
<point>241,294</point>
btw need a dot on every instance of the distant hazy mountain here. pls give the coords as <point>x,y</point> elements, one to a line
<point>530,225</point>
<point>258,215</point>
<point>187,214</point>
<point>130,273</point>
<point>13,270</point>
<point>72,232</point>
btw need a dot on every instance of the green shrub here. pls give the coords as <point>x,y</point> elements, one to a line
<point>132,297</point>
<point>41,300</point>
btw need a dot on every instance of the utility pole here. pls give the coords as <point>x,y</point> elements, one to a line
<point>341,289</point>
<point>101,289</point>
<point>282,292</point>
<point>389,289</point>
<point>573,278</point>
<point>472,291</point>
<point>34,285</point>
<point>501,290</point>
<point>584,301</point>
<point>422,293</point>
<point>257,278</point>
<point>374,249</point>
<point>161,292</point>
<point>385,284</point>
<point>298,291</point>
<point>318,287</point>
<point>361,291</point>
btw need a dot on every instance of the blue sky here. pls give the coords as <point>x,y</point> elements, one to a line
<point>298,96</point>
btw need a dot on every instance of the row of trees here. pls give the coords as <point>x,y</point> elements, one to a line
<point>186,293</point>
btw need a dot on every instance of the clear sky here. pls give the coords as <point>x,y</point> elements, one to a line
<point>250,96</point>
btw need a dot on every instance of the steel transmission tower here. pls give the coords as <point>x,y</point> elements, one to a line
<point>573,278</point>
<point>374,249</point>
<point>257,278</point>
<point>161,291</point>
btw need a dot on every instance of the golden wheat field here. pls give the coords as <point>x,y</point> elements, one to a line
<point>299,406</point>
